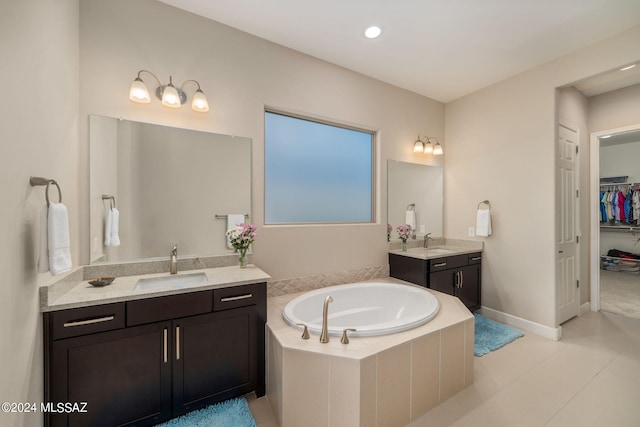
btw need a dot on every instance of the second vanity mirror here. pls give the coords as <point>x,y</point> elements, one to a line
<point>168,185</point>
<point>421,185</point>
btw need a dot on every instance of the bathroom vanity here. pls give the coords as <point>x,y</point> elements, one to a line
<point>140,358</point>
<point>454,270</point>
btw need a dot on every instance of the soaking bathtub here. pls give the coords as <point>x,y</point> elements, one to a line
<point>372,308</point>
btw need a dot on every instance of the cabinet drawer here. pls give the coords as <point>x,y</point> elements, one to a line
<point>234,297</point>
<point>87,320</point>
<point>475,258</point>
<point>169,307</point>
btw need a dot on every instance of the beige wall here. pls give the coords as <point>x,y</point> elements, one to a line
<point>615,109</point>
<point>501,147</point>
<point>240,74</point>
<point>39,122</point>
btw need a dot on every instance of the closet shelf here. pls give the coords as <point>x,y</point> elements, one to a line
<point>625,228</point>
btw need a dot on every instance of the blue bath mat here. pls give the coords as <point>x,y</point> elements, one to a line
<point>490,335</point>
<point>230,413</point>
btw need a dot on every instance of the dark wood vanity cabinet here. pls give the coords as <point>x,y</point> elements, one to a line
<point>145,361</point>
<point>458,275</point>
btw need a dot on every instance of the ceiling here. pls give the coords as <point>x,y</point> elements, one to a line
<point>443,49</point>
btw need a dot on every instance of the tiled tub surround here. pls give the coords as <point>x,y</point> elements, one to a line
<point>72,290</point>
<point>388,380</point>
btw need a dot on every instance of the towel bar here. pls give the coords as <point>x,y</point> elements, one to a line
<point>109,197</point>
<point>484,202</point>
<point>225,216</point>
<point>38,181</point>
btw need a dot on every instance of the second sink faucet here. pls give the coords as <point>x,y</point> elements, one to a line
<point>427,237</point>
<point>324,336</point>
<point>173,265</point>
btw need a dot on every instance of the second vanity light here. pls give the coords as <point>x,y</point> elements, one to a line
<point>423,145</point>
<point>170,95</point>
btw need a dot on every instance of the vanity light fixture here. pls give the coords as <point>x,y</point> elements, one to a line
<point>170,95</point>
<point>424,145</point>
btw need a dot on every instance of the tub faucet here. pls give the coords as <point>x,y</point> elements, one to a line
<point>173,265</point>
<point>324,336</point>
<point>427,237</point>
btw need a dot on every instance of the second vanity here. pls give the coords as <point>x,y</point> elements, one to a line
<point>143,354</point>
<point>451,266</point>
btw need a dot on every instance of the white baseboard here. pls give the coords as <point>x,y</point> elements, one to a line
<point>584,308</point>
<point>520,323</point>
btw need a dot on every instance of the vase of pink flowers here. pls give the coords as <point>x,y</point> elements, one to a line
<point>404,231</point>
<point>241,237</point>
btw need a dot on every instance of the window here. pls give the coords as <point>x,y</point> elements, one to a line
<point>317,172</point>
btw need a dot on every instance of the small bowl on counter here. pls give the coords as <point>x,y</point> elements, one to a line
<point>101,281</point>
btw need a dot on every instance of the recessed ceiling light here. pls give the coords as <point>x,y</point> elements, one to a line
<point>628,67</point>
<point>372,32</point>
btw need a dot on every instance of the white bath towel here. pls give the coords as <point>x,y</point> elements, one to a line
<point>59,241</point>
<point>43,258</point>
<point>107,227</point>
<point>232,221</point>
<point>483,223</point>
<point>115,227</point>
<point>112,227</point>
<point>410,219</point>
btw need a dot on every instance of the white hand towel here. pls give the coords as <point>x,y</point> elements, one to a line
<point>483,223</point>
<point>43,259</point>
<point>410,219</point>
<point>115,227</point>
<point>107,227</point>
<point>59,241</point>
<point>232,221</point>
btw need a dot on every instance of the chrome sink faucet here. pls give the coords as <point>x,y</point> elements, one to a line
<point>427,237</point>
<point>173,266</point>
<point>324,336</point>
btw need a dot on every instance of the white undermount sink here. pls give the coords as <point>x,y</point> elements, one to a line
<point>438,250</point>
<point>174,281</point>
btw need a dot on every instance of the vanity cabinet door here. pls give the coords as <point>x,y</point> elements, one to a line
<point>214,357</point>
<point>443,281</point>
<point>124,376</point>
<point>469,289</point>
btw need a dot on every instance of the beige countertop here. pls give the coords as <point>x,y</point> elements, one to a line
<point>438,248</point>
<point>73,290</point>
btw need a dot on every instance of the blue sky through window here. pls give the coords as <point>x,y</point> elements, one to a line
<point>316,173</point>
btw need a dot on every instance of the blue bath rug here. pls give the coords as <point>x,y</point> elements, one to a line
<point>490,335</point>
<point>230,413</point>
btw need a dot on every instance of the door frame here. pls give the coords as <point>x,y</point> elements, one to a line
<point>594,210</point>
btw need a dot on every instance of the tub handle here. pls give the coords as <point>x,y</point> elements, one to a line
<point>345,337</point>
<point>305,331</point>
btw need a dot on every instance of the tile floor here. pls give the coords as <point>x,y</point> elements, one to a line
<point>589,378</point>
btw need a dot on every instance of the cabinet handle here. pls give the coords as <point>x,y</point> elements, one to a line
<point>89,321</point>
<point>457,280</point>
<point>239,297</point>
<point>477,258</point>
<point>164,342</point>
<point>177,342</point>
<point>442,264</point>
<point>461,279</point>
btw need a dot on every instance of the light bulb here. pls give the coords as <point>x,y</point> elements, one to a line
<point>372,32</point>
<point>418,147</point>
<point>199,102</point>
<point>428,147</point>
<point>170,97</point>
<point>139,92</point>
<point>437,150</point>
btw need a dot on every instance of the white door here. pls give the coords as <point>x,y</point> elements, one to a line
<point>567,280</point>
